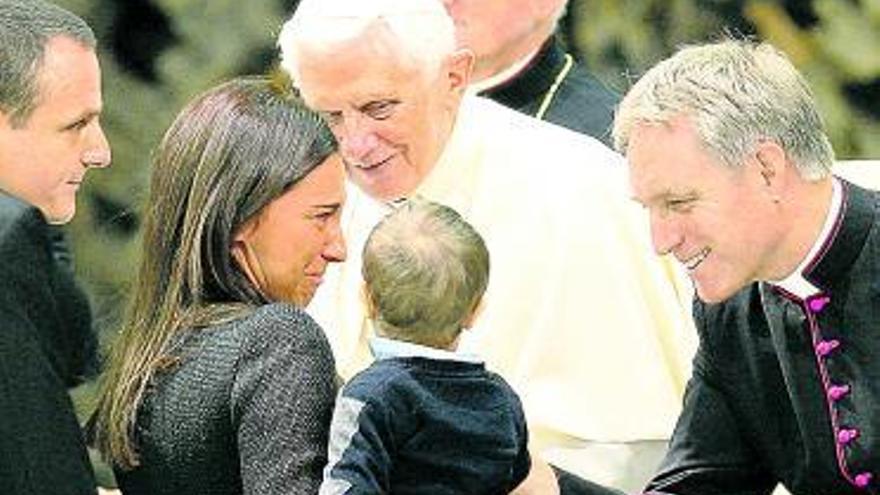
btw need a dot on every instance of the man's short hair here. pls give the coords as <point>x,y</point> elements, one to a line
<point>26,26</point>
<point>425,270</point>
<point>736,93</point>
<point>421,31</point>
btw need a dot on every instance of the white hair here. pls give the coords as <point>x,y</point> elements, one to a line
<point>736,93</point>
<point>419,30</point>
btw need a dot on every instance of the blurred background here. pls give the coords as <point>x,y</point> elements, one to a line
<point>157,54</point>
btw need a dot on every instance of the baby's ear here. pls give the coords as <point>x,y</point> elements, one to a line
<point>367,298</point>
<point>475,312</point>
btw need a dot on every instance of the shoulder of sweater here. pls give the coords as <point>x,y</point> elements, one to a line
<point>403,377</point>
<point>386,381</point>
<point>502,383</point>
<point>280,324</point>
<point>373,381</point>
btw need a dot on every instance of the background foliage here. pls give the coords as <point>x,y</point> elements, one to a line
<point>157,54</point>
<point>835,43</point>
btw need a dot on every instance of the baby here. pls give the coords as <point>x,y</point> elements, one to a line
<point>423,418</point>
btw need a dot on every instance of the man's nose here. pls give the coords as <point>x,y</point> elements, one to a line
<point>665,233</point>
<point>356,141</point>
<point>97,154</point>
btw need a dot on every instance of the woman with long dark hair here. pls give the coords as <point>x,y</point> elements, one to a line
<point>218,381</point>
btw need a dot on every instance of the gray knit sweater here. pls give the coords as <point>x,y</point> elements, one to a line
<point>246,411</point>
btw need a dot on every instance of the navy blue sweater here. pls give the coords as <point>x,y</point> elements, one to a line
<point>412,425</point>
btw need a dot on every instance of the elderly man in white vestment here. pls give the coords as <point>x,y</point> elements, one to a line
<point>580,317</point>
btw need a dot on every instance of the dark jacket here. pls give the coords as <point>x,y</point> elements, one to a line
<point>581,102</point>
<point>788,390</point>
<point>46,345</point>
<point>246,410</point>
<point>413,425</point>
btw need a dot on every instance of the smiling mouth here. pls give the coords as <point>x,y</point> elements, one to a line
<point>694,261</point>
<point>373,166</point>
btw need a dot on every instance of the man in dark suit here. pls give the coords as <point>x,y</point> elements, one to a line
<point>50,136</point>
<point>727,153</point>
<point>521,63</point>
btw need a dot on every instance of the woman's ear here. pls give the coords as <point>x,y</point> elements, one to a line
<point>244,255</point>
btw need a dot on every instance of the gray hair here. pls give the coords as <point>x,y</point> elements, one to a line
<point>420,30</point>
<point>425,270</point>
<point>737,93</point>
<point>26,26</point>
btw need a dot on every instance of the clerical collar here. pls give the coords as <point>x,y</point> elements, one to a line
<point>503,76</point>
<point>796,283</point>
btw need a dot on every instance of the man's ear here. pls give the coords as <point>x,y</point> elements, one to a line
<point>772,165</point>
<point>460,65</point>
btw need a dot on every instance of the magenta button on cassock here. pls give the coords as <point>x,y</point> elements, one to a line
<point>825,347</point>
<point>847,435</point>
<point>836,392</point>
<point>863,480</point>
<point>816,304</point>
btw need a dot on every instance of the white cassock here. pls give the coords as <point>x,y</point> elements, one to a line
<point>589,326</point>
